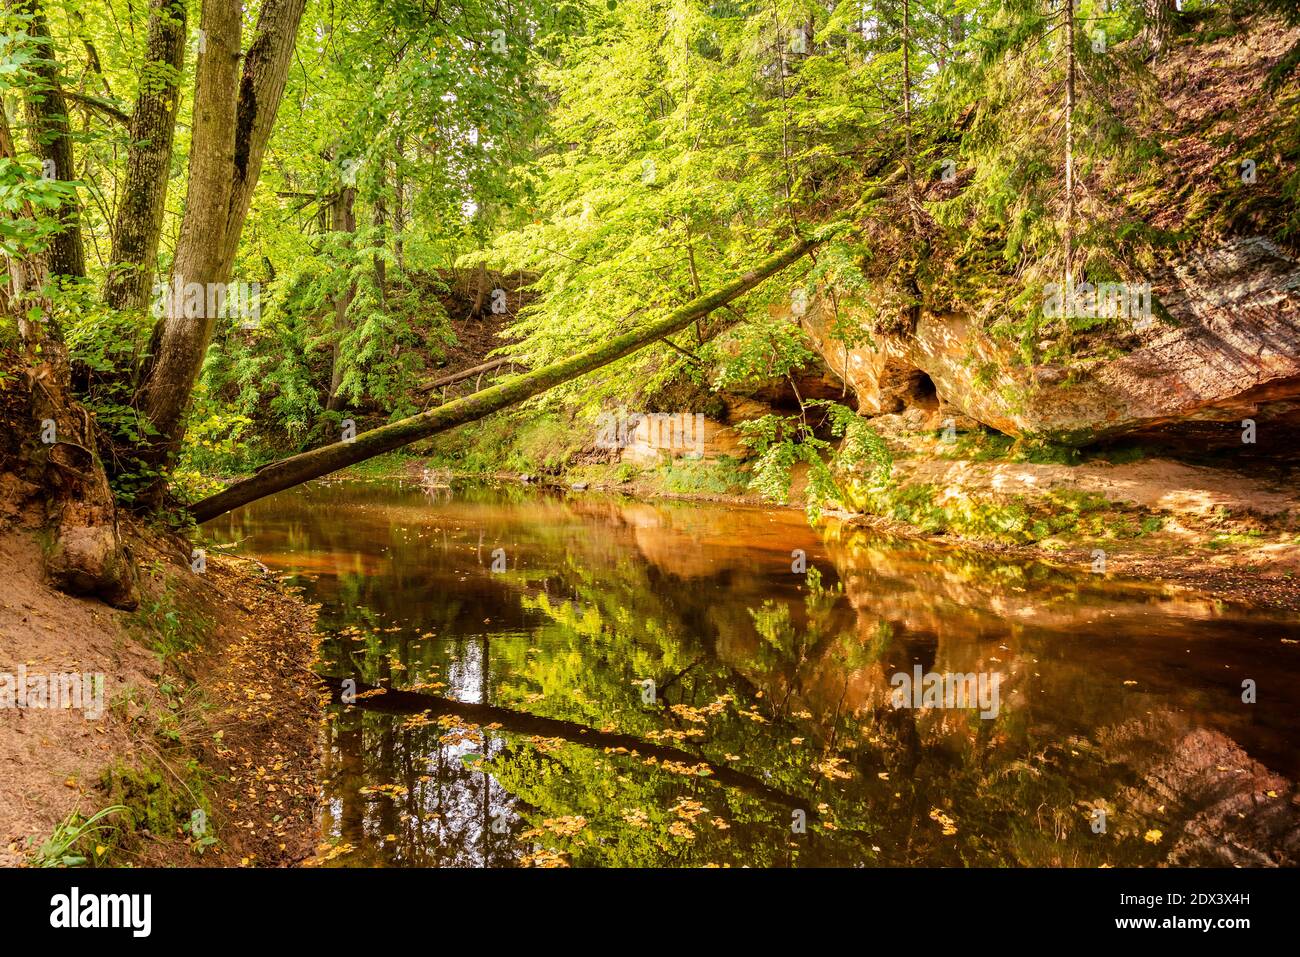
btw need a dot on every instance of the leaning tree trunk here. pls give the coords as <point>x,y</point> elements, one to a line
<point>57,452</point>
<point>47,118</point>
<point>138,222</point>
<point>309,465</point>
<point>234,114</point>
<point>181,338</point>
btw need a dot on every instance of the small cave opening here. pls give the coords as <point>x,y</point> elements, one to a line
<point>921,391</point>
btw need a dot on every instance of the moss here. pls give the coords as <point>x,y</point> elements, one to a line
<point>381,466</point>
<point>1043,452</point>
<point>1124,454</point>
<point>158,805</point>
<point>724,476</point>
<point>1018,520</point>
<point>989,446</point>
<point>525,441</point>
<point>1230,539</point>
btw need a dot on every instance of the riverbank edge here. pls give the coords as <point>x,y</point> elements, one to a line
<point>209,741</point>
<point>1243,560</point>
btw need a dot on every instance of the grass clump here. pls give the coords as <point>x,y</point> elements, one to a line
<point>79,841</point>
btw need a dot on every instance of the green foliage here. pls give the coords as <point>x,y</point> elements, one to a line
<point>724,476</point>
<point>528,439</point>
<point>781,442</point>
<point>77,841</point>
<point>755,353</point>
<point>1016,519</point>
<point>683,139</point>
<point>22,185</point>
<point>166,627</point>
<point>619,159</point>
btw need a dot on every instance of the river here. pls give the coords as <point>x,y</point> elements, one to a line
<point>721,682</point>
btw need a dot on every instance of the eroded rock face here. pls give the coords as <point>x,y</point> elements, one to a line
<point>1228,350</point>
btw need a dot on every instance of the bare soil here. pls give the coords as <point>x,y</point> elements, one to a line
<point>236,718</point>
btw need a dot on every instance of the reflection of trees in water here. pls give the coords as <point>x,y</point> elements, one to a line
<point>599,596</point>
<point>442,815</point>
<point>1071,735</point>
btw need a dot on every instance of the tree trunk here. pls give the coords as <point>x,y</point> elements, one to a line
<point>309,465</point>
<point>47,118</point>
<point>399,204</point>
<point>84,553</point>
<point>380,220</point>
<point>476,309</point>
<point>913,201</point>
<point>343,219</point>
<point>261,87</point>
<point>1069,142</point>
<point>181,338</point>
<point>139,218</point>
<point>234,113</point>
<point>1162,24</point>
<point>462,374</point>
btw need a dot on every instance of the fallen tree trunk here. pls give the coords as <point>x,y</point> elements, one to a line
<point>466,373</point>
<point>309,465</point>
<point>393,701</point>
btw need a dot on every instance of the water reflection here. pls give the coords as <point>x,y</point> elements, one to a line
<point>770,704</point>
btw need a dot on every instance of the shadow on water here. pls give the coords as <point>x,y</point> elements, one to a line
<point>595,681</point>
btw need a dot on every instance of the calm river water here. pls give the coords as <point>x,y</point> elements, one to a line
<point>710,705</point>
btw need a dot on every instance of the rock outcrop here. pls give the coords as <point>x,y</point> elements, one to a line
<point>1223,346</point>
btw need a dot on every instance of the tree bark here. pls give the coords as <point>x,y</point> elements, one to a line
<point>138,221</point>
<point>181,338</point>
<point>84,554</point>
<point>913,201</point>
<point>47,118</point>
<point>343,219</point>
<point>476,310</point>
<point>399,204</point>
<point>309,465</point>
<point>379,221</point>
<point>261,87</point>
<point>234,113</point>
<point>1162,24</point>
<point>1069,141</point>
